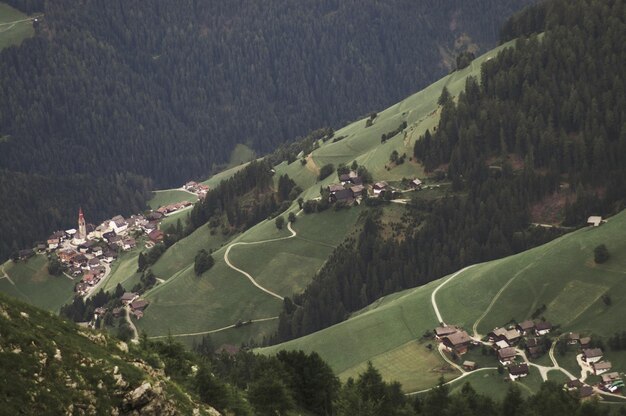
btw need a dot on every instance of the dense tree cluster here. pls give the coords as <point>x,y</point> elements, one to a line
<point>163,91</point>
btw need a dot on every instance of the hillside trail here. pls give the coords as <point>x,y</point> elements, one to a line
<point>6,276</point>
<point>28,19</point>
<point>135,338</point>
<point>432,296</point>
<point>212,331</point>
<point>248,275</point>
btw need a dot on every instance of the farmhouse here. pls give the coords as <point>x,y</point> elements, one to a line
<point>509,335</point>
<point>506,355</point>
<point>592,355</point>
<point>501,344</point>
<point>379,187</point>
<point>139,304</point>
<point>518,371</point>
<point>92,263</point>
<point>109,256</point>
<point>154,216</point>
<point>156,236</point>
<point>333,187</point>
<point>129,243</point>
<point>532,347</point>
<point>97,251</point>
<point>128,297</point>
<point>457,342</point>
<point>573,338</point>
<point>585,391</point>
<point>357,190</point>
<point>573,384</point>
<point>594,220</point>
<point>469,365</point>
<point>526,326</point>
<point>543,328</point>
<point>415,184</point>
<point>443,331</point>
<point>26,253</point>
<point>53,243</point>
<point>585,342</point>
<point>601,367</point>
<point>345,195</point>
<point>344,178</point>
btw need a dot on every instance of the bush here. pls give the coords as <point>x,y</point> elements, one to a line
<point>291,217</point>
<point>202,262</point>
<point>326,171</point>
<point>280,222</point>
<point>601,254</point>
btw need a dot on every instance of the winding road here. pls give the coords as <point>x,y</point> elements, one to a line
<point>248,275</point>
<point>212,331</point>
<point>135,338</point>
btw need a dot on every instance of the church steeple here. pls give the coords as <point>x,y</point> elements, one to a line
<point>82,228</point>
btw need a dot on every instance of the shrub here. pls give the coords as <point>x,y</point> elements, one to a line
<point>601,254</point>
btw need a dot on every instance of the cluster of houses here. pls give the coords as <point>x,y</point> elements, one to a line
<point>351,188</point>
<point>129,299</point>
<point>171,208</point>
<point>502,340</point>
<point>86,252</point>
<point>197,188</point>
<point>592,359</point>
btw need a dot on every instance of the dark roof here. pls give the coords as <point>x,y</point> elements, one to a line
<point>128,296</point>
<point>592,352</point>
<point>542,326</point>
<point>574,336</point>
<point>154,215</point>
<point>505,353</point>
<point>585,340</point>
<point>458,338</point>
<point>344,195</point>
<point>228,349</point>
<point>519,369</point>
<point>526,325</point>
<point>139,304</point>
<point>602,365</point>
<point>532,342</point>
<point>344,178</point>
<point>445,330</point>
<point>356,180</point>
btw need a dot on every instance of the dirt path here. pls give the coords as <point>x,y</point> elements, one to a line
<point>248,275</point>
<point>212,331</point>
<point>135,338</point>
<point>311,165</point>
<point>28,19</point>
<point>6,276</point>
<point>432,296</point>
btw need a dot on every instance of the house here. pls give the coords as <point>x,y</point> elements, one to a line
<point>526,327</point>
<point>344,178</point>
<point>59,235</point>
<point>137,313</point>
<point>156,236</point>
<point>543,328</point>
<point>92,263</point>
<point>501,344</point>
<point>67,256</point>
<point>118,224</point>
<point>139,304</point>
<point>532,347</point>
<point>89,279</point>
<point>592,355</point>
<point>26,253</point>
<point>506,355</point>
<point>357,190</point>
<point>97,251</point>
<point>40,247</point>
<point>53,243</point>
<point>457,342</point>
<point>415,184</point>
<point>116,241</point>
<point>70,233</point>
<point>333,187</point>
<point>191,186</point>
<point>80,259</point>
<point>600,367</point>
<point>518,371</point>
<point>345,195</point>
<point>379,187</point>
<point>469,365</point>
<point>610,378</point>
<point>98,270</point>
<point>573,384</point>
<point>109,256</point>
<point>594,220</point>
<point>117,312</point>
<point>154,216</point>
<point>509,335</point>
<point>129,243</point>
<point>109,235</point>
<point>149,226</point>
<point>443,331</point>
<point>100,311</point>
<point>573,338</point>
<point>128,297</point>
<point>585,342</point>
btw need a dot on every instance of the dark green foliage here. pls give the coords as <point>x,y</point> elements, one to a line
<point>55,267</point>
<point>601,254</point>
<point>269,395</point>
<point>279,222</point>
<point>326,171</point>
<point>291,217</point>
<point>464,59</point>
<point>128,91</point>
<point>202,262</point>
<point>285,186</point>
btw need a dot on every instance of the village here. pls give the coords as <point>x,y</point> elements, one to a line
<point>514,348</point>
<point>87,252</point>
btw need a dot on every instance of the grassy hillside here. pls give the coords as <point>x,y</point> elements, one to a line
<point>561,274</point>
<point>170,196</point>
<point>29,281</point>
<point>50,366</point>
<point>15,26</point>
<point>187,304</point>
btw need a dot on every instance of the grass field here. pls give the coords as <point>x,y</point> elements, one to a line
<point>241,154</point>
<point>170,196</point>
<point>33,284</point>
<point>512,287</point>
<point>124,270</point>
<point>14,26</point>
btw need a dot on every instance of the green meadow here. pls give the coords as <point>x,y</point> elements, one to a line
<point>30,282</point>
<point>170,196</point>
<point>14,26</point>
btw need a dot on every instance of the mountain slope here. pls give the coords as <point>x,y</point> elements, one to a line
<point>49,366</point>
<point>166,91</point>
<point>560,274</point>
